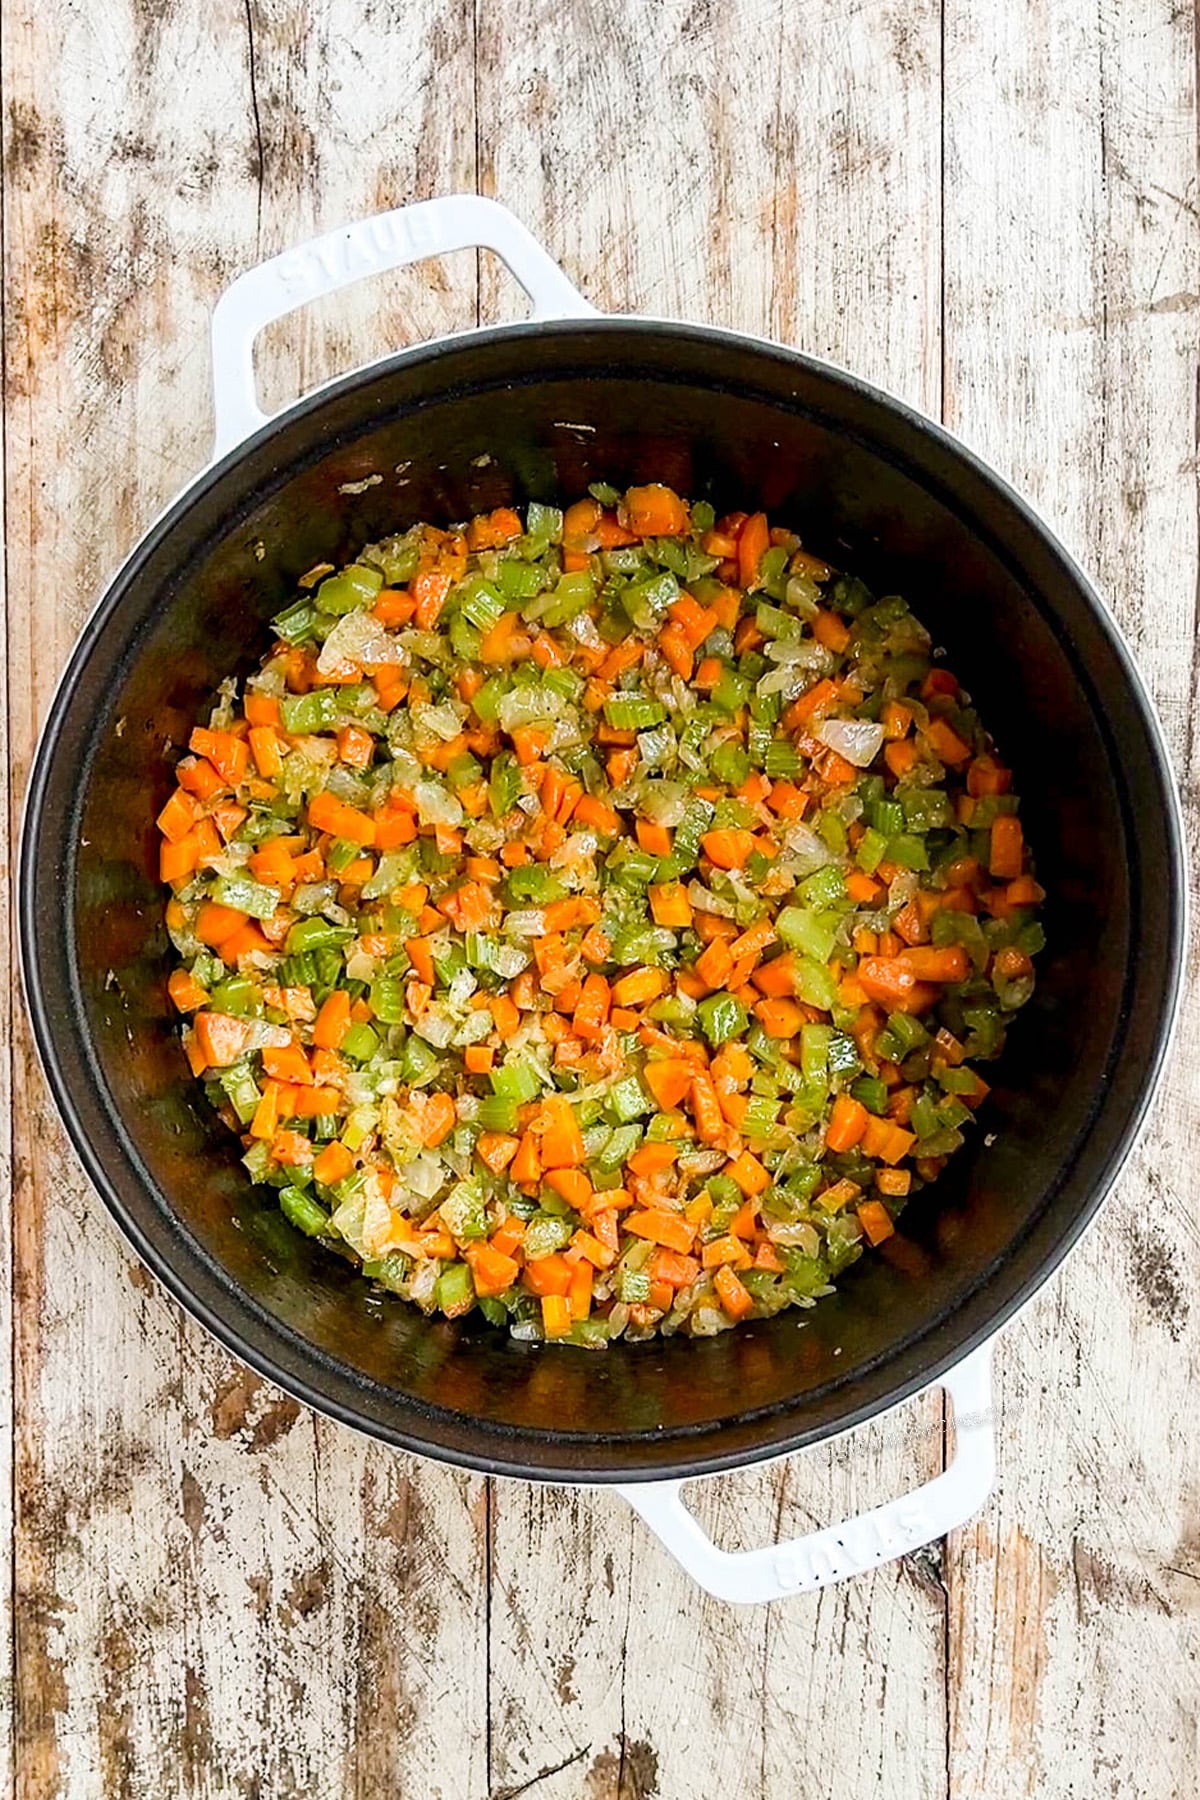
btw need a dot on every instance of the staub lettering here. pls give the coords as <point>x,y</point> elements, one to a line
<point>361,250</point>
<point>849,1549</point>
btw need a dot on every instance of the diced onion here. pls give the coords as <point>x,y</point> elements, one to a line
<point>436,805</point>
<point>857,740</point>
<point>358,638</point>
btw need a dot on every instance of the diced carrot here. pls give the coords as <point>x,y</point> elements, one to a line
<point>875,1220</point>
<point>659,1226</point>
<point>638,987</point>
<point>885,1141</point>
<point>491,1270</point>
<point>728,849</point>
<point>393,828</point>
<point>654,839</point>
<point>526,1166</point>
<point>177,861</point>
<point>333,1164</point>
<point>945,743</point>
<point>199,777</point>
<point>186,992</point>
<point>988,776</point>
<point>292,1149</point>
<point>706,1110</point>
<point>714,963</point>
<point>895,1183</point>
<point>670,906</point>
<point>548,1274</point>
<point>333,1021</point>
<point>438,1120</point>
<point>748,1173</point>
<point>561,1138</point>
<point>779,1018</point>
<point>264,747</point>
<point>708,674</point>
<point>864,890</point>
<point>229,755</point>
<point>287,1062</point>
<point>579,1294</point>
<point>900,756</point>
<point>655,511</point>
<point>753,541</point>
<point>895,719</point>
<point>670,1081</point>
<point>812,704</point>
<point>677,651</point>
<point>928,964</point>
<point>736,1299</point>
<point>177,817</point>
<point>355,747</point>
<point>847,1122</point>
<point>777,978</point>
<point>221,1037</point>
<point>652,1159</point>
<point>832,631</point>
<point>327,813</point>
<point>216,923</point>
<point>1007,848</point>
<point>478,1058</point>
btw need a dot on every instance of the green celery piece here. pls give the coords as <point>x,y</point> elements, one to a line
<point>302,714</point>
<point>831,829</point>
<point>885,817</point>
<point>302,1211</point>
<point>907,849</point>
<point>573,595</point>
<point>387,999</point>
<point>908,1032</point>
<point>504,784</point>
<point>731,691</point>
<point>545,1234</point>
<point>814,1051</point>
<point>843,1055</point>
<point>295,624</point>
<point>518,580</point>
<point>544,522</point>
<point>823,889</point>
<point>350,590</point>
<point>633,712</point>
<point>812,933</point>
<point>760,1120</point>
<point>479,602</point>
<point>814,984</point>
<point>871,1093</point>
<point>532,885</point>
<point>517,1081</point>
<point>872,848</point>
<point>627,1100</point>
<point>246,895</point>
<point>237,995</point>
<point>722,1016</point>
<point>730,764</point>
<point>418,1061</point>
<point>782,759</point>
<point>622,1143</point>
<point>924,1118</point>
<point>455,1292</point>
<point>360,1042</point>
<point>316,934</point>
<point>498,1113</point>
<point>241,1090</point>
<point>633,1286</point>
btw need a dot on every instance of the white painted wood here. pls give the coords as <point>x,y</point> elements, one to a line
<point>296,1612</point>
<point>1071,277</point>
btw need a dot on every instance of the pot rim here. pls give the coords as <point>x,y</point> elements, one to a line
<point>238,1342</point>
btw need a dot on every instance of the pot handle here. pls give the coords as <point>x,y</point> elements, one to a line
<point>856,1545</point>
<point>390,240</point>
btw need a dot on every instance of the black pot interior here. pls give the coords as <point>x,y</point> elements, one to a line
<point>537,413</point>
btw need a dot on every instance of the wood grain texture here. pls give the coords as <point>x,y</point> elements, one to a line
<point>1071,274</point>
<point>989,210</point>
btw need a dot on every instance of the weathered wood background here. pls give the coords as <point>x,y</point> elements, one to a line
<point>993,210</point>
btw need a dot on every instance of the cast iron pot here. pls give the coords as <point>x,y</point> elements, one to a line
<point>535,411</point>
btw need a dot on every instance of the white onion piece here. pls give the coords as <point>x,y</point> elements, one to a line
<point>858,740</point>
<point>358,638</point>
<point>436,805</point>
<point>806,849</point>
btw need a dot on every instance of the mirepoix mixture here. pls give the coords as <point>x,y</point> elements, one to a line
<point>596,918</point>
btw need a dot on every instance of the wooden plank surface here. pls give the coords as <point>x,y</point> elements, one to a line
<point>991,210</point>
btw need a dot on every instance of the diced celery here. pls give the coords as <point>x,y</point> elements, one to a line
<point>302,1211</point>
